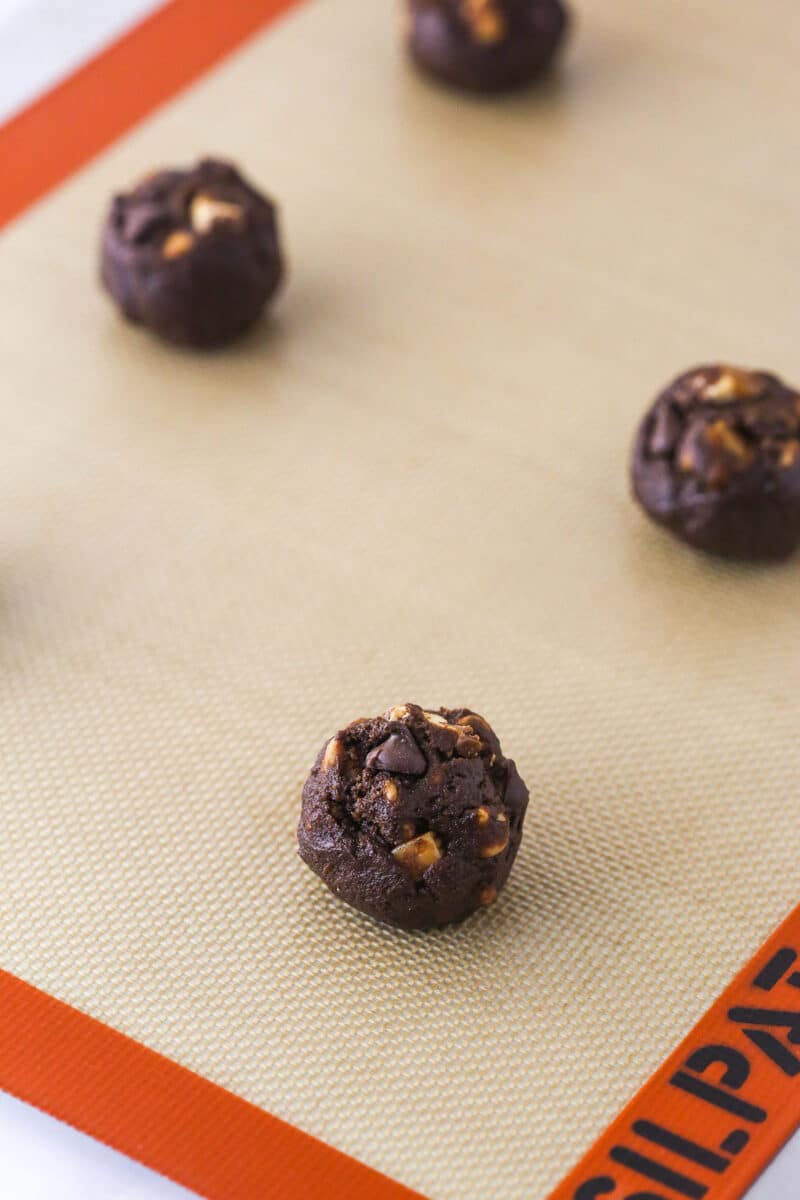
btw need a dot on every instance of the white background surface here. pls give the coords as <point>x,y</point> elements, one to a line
<point>41,42</point>
<point>41,1159</point>
<point>781,1181</point>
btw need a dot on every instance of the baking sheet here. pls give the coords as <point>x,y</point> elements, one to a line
<point>411,486</point>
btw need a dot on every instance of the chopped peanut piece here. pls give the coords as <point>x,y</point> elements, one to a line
<point>177,244</point>
<point>205,212</point>
<point>419,854</point>
<point>333,752</point>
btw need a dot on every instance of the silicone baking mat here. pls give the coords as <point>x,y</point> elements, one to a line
<point>412,485</point>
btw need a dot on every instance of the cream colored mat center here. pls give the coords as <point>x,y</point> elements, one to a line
<point>414,487</point>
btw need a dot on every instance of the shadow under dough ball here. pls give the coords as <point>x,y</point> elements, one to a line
<point>485,45</point>
<point>193,255</point>
<point>414,817</point>
<point>717,462</point>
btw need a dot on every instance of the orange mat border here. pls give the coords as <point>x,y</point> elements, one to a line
<point>178,1123</point>
<point>60,132</point>
<point>722,1106</point>
<point>163,1115</point>
<point>52,1056</point>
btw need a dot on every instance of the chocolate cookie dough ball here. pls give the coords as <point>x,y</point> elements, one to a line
<point>414,817</point>
<point>485,45</point>
<point>717,462</point>
<point>193,255</point>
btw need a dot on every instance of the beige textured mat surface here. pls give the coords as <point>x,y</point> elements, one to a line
<point>413,488</point>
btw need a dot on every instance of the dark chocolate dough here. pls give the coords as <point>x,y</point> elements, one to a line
<point>414,817</point>
<point>717,462</point>
<point>485,45</point>
<point>193,255</point>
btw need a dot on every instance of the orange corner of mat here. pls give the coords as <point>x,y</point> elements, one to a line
<point>57,134</point>
<point>163,1115</point>
<point>722,1106</point>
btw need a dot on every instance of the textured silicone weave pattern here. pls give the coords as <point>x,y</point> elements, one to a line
<point>413,488</point>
